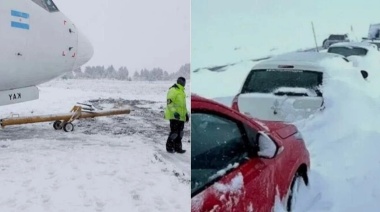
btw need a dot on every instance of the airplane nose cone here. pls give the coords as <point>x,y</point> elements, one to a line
<point>85,50</point>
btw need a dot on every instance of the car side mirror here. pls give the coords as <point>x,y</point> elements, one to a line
<point>267,147</point>
<point>364,74</point>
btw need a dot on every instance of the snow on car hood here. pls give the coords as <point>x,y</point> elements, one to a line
<point>280,128</point>
<point>356,60</point>
<point>368,62</point>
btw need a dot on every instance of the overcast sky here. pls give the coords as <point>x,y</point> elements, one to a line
<point>134,33</point>
<point>220,27</point>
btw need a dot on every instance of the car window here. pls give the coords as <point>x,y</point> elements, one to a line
<point>348,51</point>
<point>47,5</point>
<point>270,80</point>
<point>337,37</point>
<point>217,144</point>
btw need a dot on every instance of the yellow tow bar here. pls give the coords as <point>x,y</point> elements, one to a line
<point>62,121</point>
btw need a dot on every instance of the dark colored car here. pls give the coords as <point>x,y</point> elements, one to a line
<point>239,163</point>
<point>335,38</point>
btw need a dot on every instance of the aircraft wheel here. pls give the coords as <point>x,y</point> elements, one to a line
<point>68,127</point>
<point>57,125</point>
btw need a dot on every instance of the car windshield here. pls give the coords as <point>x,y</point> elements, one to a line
<point>337,37</point>
<point>348,51</point>
<point>216,148</point>
<point>271,80</point>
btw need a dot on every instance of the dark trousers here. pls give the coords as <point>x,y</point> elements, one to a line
<point>174,141</point>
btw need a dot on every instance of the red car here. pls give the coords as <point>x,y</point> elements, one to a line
<point>240,163</point>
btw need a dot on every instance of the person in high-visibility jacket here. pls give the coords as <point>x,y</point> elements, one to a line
<point>176,113</point>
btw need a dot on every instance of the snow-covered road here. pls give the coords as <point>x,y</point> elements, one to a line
<point>342,139</point>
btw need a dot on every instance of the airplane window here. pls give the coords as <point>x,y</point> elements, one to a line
<point>51,6</point>
<point>47,5</point>
<point>40,3</point>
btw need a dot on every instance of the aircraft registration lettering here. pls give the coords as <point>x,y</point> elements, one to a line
<point>14,96</point>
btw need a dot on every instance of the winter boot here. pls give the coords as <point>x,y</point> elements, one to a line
<point>181,151</point>
<point>178,147</point>
<point>170,146</point>
<point>170,150</point>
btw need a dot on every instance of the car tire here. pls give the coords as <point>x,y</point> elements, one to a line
<point>294,186</point>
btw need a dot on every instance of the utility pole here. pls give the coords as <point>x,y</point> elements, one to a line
<point>315,37</point>
<point>353,33</point>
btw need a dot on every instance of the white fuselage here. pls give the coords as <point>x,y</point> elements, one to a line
<point>37,45</point>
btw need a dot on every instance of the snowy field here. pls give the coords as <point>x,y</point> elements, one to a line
<point>112,164</point>
<point>226,31</point>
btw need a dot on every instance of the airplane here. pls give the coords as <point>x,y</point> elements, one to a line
<point>37,44</point>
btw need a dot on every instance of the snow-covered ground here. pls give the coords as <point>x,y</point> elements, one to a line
<point>342,139</point>
<point>114,163</point>
<point>212,84</point>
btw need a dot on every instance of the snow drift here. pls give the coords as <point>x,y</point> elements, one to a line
<point>343,142</point>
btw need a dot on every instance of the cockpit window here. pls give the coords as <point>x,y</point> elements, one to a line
<point>47,5</point>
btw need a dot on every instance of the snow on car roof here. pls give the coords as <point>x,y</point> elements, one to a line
<point>305,56</point>
<point>299,60</point>
<point>371,40</point>
<point>365,45</point>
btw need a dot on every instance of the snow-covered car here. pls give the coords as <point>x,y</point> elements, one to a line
<point>285,88</point>
<point>241,164</point>
<point>374,31</point>
<point>375,42</point>
<point>335,38</point>
<point>360,53</point>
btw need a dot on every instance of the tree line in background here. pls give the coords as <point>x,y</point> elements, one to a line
<point>101,72</point>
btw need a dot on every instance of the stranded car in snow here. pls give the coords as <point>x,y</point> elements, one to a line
<point>360,53</point>
<point>373,41</point>
<point>335,39</point>
<point>286,87</point>
<point>241,164</point>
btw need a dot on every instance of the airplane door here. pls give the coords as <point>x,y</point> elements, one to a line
<point>14,30</point>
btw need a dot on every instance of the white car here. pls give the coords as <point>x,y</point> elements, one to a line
<point>286,87</point>
<point>362,54</point>
<point>374,41</point>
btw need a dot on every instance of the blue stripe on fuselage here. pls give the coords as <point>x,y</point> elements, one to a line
<point>20,25</point>
<point>19,14</point>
